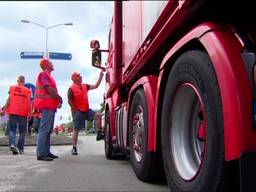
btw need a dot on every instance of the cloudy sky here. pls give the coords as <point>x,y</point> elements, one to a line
<point>91,21</point>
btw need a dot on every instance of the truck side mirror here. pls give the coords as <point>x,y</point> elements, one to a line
<point>96,58</point>
<point>96,54</point>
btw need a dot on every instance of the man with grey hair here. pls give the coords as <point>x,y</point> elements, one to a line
<point>18,108</point>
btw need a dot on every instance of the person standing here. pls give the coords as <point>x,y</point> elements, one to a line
<point>47,100</point>
<point>18,108</point>
<point>78,101</point>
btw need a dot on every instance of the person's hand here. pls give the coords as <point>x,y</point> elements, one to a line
<point>60,102</point>
<point>1,112</point>
<point>101,73</point>
<point>74,109</point>
<point>59,106</point>
<point>29,117</point>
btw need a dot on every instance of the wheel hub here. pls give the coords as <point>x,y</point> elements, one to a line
<point>187,135</point>
<point>137,133</point>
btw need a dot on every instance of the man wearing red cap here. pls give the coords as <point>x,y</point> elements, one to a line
<point>78,101</point>
<point>47,100</point>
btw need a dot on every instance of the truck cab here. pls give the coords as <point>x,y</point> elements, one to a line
<point>180,92</point>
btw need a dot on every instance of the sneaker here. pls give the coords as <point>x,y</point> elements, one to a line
<point>44,158</point>
<point>74,151</point>
<point>52,156</point>
<point>21,151</point>
<point>100,135</point>
<point>14,150</point>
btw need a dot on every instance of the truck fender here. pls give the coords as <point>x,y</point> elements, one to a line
<point>149,85</point>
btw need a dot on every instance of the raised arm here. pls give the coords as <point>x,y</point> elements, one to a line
<point>96,85</point>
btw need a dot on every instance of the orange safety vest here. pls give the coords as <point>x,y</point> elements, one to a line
<point>80,97</point>
<point>19,103</point>
<point>43,100</point>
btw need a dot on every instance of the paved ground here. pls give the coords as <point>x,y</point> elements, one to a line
<point>89,171</point>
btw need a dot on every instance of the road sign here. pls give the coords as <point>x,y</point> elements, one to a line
<point>40,55</point>
<point>32,87</point>
<point>61,56</point>
<point>31,55</point>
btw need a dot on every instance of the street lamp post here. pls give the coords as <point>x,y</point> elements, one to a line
<point>46,35</point>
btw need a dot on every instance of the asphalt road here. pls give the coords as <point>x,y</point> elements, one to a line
<point>88,171</point>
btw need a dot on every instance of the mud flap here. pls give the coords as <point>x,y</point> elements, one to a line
<point>247,164</point>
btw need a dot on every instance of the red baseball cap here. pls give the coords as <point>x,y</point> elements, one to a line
<point>74,75</point>
<point>44,63</point>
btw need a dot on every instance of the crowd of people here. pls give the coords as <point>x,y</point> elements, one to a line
<point>41,110</point>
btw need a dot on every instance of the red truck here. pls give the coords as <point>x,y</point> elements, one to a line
<point>180,91</point>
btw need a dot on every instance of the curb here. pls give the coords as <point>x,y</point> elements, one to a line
<point>31,140</point>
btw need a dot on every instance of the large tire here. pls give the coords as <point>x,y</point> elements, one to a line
<point>192,125</point>
<point>108,138</point>
<point>145,164</point>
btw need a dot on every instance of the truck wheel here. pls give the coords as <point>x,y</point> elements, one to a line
<point>108,138</point>
<point>192,125</point>
<point>144,163</point>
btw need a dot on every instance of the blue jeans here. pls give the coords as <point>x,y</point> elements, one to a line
<point>21,122</point>
<point>44,132</point>
<point>36,124</point>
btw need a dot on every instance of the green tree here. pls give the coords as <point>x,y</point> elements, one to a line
<point>102,107</point>
<point>3,127</point>
<point>89,125</point>
<point>68,125</point>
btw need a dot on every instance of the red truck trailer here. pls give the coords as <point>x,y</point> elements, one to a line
<point>180,90</point>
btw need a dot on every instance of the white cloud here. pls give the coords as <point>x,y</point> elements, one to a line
<point>91,21</point>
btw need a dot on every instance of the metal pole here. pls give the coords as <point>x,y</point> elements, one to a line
<point>46,42</point>
<point>46,54</point>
